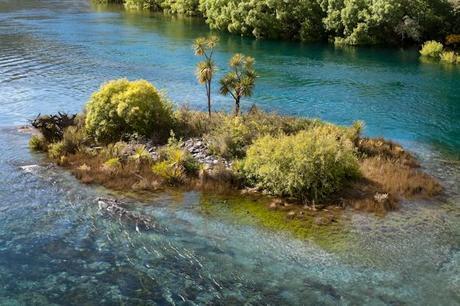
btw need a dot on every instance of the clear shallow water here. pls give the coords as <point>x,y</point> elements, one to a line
<point>56,247</point>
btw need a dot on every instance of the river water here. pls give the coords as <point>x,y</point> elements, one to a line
<point>57,248</point>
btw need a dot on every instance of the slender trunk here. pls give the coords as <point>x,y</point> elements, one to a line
<point>237,106</point>
<point>209,98</point>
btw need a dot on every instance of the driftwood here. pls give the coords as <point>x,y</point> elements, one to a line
<point>114,208</point>
<point>52,126</point>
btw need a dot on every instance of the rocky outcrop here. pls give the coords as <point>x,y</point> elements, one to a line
<point>199,150</point>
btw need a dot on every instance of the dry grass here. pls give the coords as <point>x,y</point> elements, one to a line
<point>90,169</point>
<point>398,179</point>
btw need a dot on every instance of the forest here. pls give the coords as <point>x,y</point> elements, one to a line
<point>350,22</point>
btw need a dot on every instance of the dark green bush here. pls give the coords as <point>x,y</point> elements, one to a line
<point>124,107</point>
<point>310,165</point>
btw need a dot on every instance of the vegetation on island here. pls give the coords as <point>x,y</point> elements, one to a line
<point>436,50</point>
<point>131,137</point>
<point>351,22</point>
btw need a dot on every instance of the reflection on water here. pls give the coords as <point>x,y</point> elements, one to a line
<point>56,247</point>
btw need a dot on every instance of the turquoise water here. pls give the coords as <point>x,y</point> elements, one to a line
<point>57,248</point>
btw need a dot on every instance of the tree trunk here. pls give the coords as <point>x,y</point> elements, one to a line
<point>209,98</point>
<point>237,106</point>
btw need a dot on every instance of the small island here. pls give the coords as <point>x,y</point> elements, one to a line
<point>130,137</point>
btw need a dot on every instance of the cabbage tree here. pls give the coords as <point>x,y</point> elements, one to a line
<point>240,81</point>
<point>205,69</point>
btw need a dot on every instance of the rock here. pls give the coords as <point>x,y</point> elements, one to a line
<point>291,214</point>
<point>325,219</point>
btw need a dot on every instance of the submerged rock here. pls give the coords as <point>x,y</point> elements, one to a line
<point>114,208</point>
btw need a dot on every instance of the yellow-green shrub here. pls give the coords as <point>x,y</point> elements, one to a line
<point>124,107</point>
<point>112,165</point>
<point>431,49</point>
<point>308,166</point>
<point>141,155</point>
<point>231,138</point>
<point>449,57</point>
<point>38,143</point>
<point>56,150</point>
<point>175,163</point>
<point>74,139</point>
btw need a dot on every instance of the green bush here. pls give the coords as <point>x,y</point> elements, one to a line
<point>38,143</point>
<point>310,165</point>
<point>432,49</point>
<point>123,107</point>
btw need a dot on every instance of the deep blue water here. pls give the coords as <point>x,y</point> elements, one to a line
<point>56,247</point>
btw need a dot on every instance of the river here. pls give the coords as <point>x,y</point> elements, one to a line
<point>57,248</point>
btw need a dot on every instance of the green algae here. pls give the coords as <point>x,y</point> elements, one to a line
<point>334,237</point>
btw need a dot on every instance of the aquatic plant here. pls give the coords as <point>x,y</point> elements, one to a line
<point>432,49</point>
<point>124,107</point>
<point>240,81</point>
<point>307,166</point>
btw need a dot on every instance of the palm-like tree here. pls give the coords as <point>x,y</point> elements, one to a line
<point>205,69</point>
<point>240,81</point>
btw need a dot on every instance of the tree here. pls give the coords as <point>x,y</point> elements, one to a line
<point>205,69</point>
<point>240,81</point>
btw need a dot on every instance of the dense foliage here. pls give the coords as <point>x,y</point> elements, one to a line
<point>308,166</point>
<point>435,50</point>
<point>432,49</point>
<point>124,107</point>
<point>354,22</point>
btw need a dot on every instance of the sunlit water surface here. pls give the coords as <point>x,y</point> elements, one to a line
<point>57,248</point>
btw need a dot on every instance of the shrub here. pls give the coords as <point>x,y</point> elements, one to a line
<point>56,150</point>
<point>431,49</point>
<point>119,150</point>
<point>112,165</point>
<point>38,143</point>
<point>449,57</point>
<point>74,139</point>
<point>141,156</point>
<point>124,107</point>
<point>231,138</point>
<point>453,40</point>
<point>307,166</point>
<point>175,163</point>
